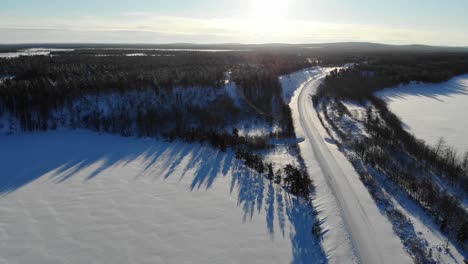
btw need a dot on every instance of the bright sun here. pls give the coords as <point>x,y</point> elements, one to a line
<point>267,16</point>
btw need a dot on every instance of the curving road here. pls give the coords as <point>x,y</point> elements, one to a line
<point>370,232</point>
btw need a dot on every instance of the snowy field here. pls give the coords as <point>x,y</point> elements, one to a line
<point>431,111</point>
<point>80,197</point>
<point>31,52</point>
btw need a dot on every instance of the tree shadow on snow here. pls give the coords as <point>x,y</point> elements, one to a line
<point>58,157</point>
<point>279,206</point>
<point>436,91</point>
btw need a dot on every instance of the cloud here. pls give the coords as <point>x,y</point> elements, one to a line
<point>155,28</point>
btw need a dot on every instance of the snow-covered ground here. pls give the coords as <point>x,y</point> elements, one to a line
<point>31,52</point>
<point>420,226</point>
<point>291,82</point>
<point>431,111</point>
<point>4,77</point>
<point>354,228</point>
<point>136,54</point>
<point>336,241</point>
<point>80,197</point>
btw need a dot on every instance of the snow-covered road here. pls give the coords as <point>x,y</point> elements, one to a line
<point>370,233</point>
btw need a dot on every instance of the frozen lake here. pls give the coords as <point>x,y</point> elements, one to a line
<point>80,197</point>
<point>431,111</point>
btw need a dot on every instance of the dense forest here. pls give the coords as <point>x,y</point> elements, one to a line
<point>157,93</point>
<point>359,82</point>
<point>44,84</point>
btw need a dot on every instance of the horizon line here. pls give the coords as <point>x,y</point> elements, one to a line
<point>229,43</point>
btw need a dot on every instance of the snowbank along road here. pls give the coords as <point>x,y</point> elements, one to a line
<point>371,235</point>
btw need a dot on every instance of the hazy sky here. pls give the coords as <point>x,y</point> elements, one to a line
<point>436,22</point>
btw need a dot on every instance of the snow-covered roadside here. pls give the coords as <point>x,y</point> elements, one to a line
<point>291,82</point>
<point>80,197</point>
<point>413,224</point>
<point>335,239</point>
<point>348,206</point>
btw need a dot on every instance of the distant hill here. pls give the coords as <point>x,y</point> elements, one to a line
<point>377,47</point>
<point>340,46</point>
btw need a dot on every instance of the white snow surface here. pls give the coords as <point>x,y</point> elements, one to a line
<point>291,82</point>
<point>424,225</point>
<point>136,54</point>
<point>79,197</point>
<point>31,52</point>
<point>354,228</point>
<point>4,77</point>
<point>432,111</point>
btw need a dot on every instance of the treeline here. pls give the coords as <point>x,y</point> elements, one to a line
<point>259,84</point>
<point>386,142</point>
<point>99,73</point>
<point>410,163</point>
<point>223,139</point>
<point>45,85</point>
<point>441,159</point>
<point>361,81</point>
<point>392,150</point>
<point>262,91</point>
<point>143,113</point>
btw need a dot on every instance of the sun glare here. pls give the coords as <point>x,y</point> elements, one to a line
<point>268,16</point>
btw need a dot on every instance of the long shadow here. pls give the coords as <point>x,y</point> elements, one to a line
<point>58,157</point>
<point>306,249</point>
<point>61,155</point>
<point>280,211</point>
<point>177,154</point>
<point>208,170</point>
<point>228,163</point>
<point>152,156</point>
<point>195,161</point>
<point>270,209</point>
<point>455,86</point>
<point>250,190</point>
